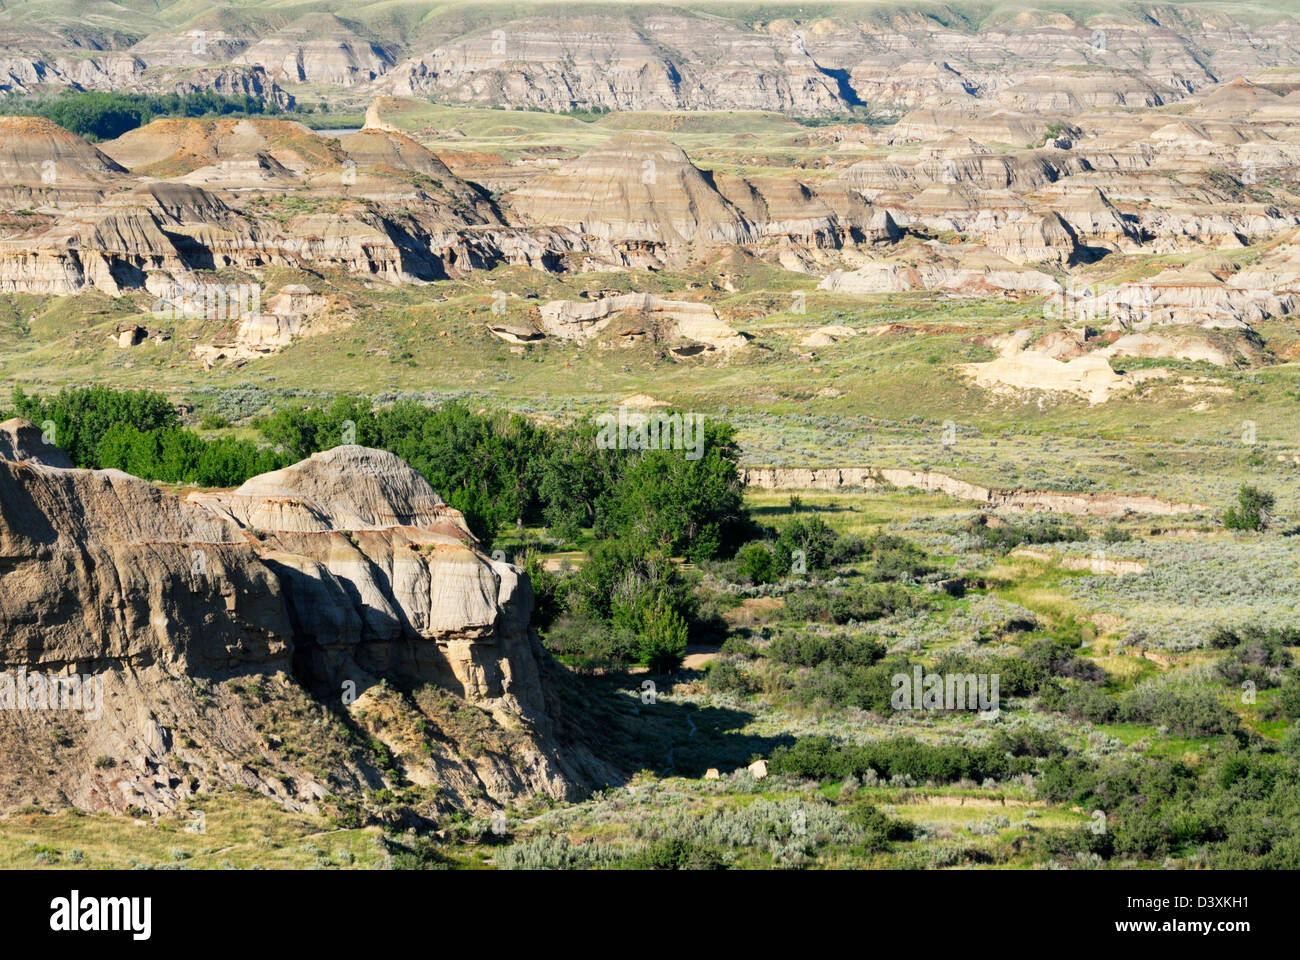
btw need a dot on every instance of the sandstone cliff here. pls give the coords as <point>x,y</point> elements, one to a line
<point>220,625</point>
<point>859,478</point>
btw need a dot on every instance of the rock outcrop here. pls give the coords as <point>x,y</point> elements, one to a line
<point>316,585</point>
<point>637,187</point>
<point>1005,69</point>
<point>1090,376</point>
<point>23,442</point>
<point>681,319</point>
<point>866,478</point>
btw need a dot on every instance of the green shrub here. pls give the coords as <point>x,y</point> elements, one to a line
<point>1003,535</point>
<point>723,676</point>
<point>676,853</point>
<point>1254,510</point>
<point>662,643</point>
<point>1288,699</point>
<point>861,602</point>
<point>820,758</point>
<point>806,537</point>
<point>896,558</point>
<point>808,650</point>
<point>1115,534</point>
<point>756,563</point>
<point>1186,711</point>
<point>878,828</point>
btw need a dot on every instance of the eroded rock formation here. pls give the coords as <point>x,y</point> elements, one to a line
<point>210,622</point>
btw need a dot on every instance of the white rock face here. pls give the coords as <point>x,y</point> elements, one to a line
<point>345,488</point>
<point>1088,376</point>
<point>972,272</point>
<point>381,575</point>
<point>576,320</point>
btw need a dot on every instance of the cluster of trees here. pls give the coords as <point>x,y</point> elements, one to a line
<point>178,455</point>
<point>807,545</point>
<point>103,116</point>
<point>629,602</point>
<point>140,432</point>
<point>502,469</point>
<point>803,545</point>
<point>498,469</point>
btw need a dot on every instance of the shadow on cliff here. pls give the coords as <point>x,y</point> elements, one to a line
<point>637,728</point>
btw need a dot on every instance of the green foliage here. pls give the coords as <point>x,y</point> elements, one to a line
<point>1115,534</point>
<point>549,591</point>
<point>1002,535</point>
<point>1186,711</point>
<point>1242,807</point>
<point>104,116</point>
<point>498,469</point>
<point>585,640</point>
<point>414,853</point>
<point>1259,657</point>
<point>896,558</point>
<point>177,455</point>
<point>809,650</point>
<point>624,605</point>
<point>676,853</point>
<point>1254,510</point>
<point>619,582</point>
<point>723,676</point>
<point>1069,844</point>
<point>480,464</point>
<point>662,643</point>
<point>879,829</point>
<point>756,563</point>
<point>860,602</point>
<point>866,688</point>
<point>810,538</point>
<point>574,478</point>
<point>83,415</point>
<point>820,758</point>
<point>685,507</point>
<point>1288,699</point>
<point>1224,638</point>
<point>138,431</point>
<point>803,546</point>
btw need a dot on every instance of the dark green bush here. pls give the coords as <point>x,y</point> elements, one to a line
<point>808,650</point>
<point>1254,510</point>
<point>820,758</point>
<point>859,602</point>
<point>879,828</point>
<point>676,853</point>
<point>756,563</point>
<point>1186,711</point>
<point>1004,535</point>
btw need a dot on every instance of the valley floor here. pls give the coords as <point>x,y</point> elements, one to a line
<point>1127,614</point>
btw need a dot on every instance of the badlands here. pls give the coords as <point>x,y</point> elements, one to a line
<point>1141,193</point>
<point>929,270</point>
